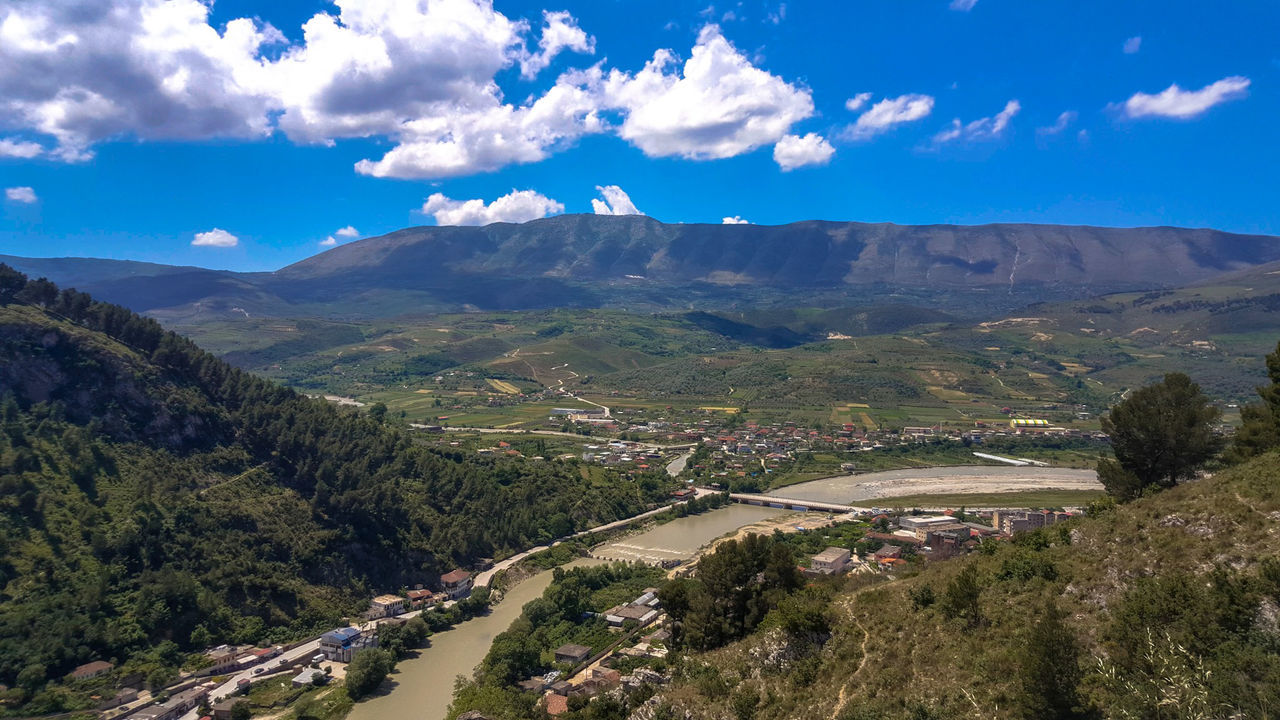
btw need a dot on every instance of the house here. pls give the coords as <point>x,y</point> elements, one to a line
<point>342,644</point>
<point>831,561</point>
<point>557,704</point>
<point>222,711</point>
<point>457,583</point>
<point>223,658</point>
<point>570,653</point>
<point>91,669</point>
<point>641,614</point>
<point>888,552</point>
<point>308,677</point>
<point>385,606</point>
<point>607,677</point>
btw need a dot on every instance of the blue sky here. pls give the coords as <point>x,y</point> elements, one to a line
<point>131,134</point>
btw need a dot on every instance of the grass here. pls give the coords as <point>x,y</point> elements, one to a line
<point>888,654</point>
<point>1027,499</point>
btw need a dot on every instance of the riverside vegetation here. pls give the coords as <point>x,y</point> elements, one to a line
<point>155,500</point>
<point>1163,604</point>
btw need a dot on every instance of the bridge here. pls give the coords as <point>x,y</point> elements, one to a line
<point>792,504</point>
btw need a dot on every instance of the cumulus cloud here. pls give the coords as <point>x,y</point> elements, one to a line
<point>1133,45</point>
<point>1174,102</point>
<point>560,32</point>
<point>987,128</point>
<point>344,232</point>
<point>794,151</point>
<point>962,5</point>
<point>887,113</point>
<point>616,202</point>
<point>83,71</point>
<point>1062,123</point>
<point>735,220</point>
<point>423,76</point>
<point>216,237</point>
<point>856,102</point>
<point>19,149</point>
<point>22,194</point>
<point>717,105</point>
<point>515,207</point>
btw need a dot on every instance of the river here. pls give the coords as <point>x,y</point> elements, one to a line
<point>679,539</point>
<point>422,687</point>
<point>851,489</point>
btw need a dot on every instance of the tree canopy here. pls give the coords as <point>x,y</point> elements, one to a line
<point>155,500</point>
<point>1260,427</point>
<point>1161,435</point>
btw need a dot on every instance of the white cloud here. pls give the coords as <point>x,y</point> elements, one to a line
<point>83,72</point>
<point>735,220</point>
<point>1175,102</point>
<point>1133,45</point>
<point>794,151</point>
<point>347,232</point>
<point>216,237</point>
<point>717,105</point>
<point>422,76</point>
<point>19,149</point>
<point>1062,123</point>
<point>515,207</point>
<point>22,194</point>
<point>856,102</point>
<point>616,202</point>
<point>882,116</point>
<point>962,5</point>
<point>987,128</point>
<point>329,241</point>
<point>778,15</point>
<point>560,32</point>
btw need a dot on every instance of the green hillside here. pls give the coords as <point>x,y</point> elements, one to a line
<point>1171,600</point>
<point>155,500</point>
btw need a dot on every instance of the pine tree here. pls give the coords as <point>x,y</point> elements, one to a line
<point>1260,429</point>
<point>1161,435</point>
<point>1049,669</point>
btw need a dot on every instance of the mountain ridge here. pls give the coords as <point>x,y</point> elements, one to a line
<point>636,261</point>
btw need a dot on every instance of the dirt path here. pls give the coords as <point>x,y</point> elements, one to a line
<point>843,697</point>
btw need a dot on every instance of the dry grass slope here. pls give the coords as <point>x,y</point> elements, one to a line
<point>889,659</point>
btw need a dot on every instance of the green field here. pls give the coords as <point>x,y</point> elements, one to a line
<point>1066,364</point>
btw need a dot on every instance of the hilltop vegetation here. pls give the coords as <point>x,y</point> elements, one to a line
<point>155,499</point>
<point>1163,608</point>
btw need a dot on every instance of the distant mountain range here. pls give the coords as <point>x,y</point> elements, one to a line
<point>635,261</point>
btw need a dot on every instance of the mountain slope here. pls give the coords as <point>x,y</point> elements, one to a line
<point>154,499</point>
<point>1172,599</point>
<point>594,261</point>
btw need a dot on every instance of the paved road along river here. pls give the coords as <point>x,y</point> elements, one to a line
<point>422,687</point>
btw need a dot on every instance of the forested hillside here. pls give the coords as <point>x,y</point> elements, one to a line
<point>154,499</point>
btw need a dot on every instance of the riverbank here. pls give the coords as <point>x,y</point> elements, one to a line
<point>949,481</point>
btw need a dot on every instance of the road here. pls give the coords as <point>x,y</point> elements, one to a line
<point>483,579</point>
<point>228,688</point>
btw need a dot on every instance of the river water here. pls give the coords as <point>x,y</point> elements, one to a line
<point>679,539</point>
<point>422,687</point>
<point>851,489</point>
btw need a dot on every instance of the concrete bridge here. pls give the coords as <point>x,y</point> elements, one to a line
<point>793,504</point>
